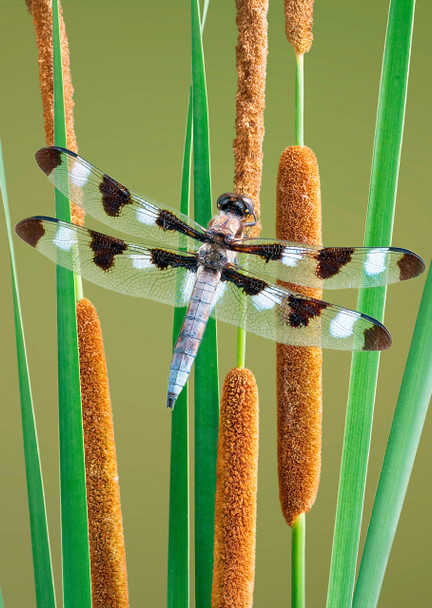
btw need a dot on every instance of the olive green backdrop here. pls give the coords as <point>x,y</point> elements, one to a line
<point>130,67</point>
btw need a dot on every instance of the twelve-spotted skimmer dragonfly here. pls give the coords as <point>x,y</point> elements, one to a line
<point>206,277</point>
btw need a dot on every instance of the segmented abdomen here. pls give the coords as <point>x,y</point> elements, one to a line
<point>192,330</point>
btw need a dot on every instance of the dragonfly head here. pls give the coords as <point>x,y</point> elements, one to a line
<point>237,204</point>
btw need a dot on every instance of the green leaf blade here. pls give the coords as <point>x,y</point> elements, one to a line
<point>206,366</point>
<point>178,541</point>
<point>410,413</point>
<point>42,566</point>
<point>364,369</point>
<point>74,524</point>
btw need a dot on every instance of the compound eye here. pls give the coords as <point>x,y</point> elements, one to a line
<point>225,200</point>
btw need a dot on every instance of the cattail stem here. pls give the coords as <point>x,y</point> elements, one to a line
<point>298,543</point>
<point>299,101</point>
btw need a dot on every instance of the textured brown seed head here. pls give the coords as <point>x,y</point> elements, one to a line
<point>299,391</point>
<point>107,551</point>
<point>41,11</point>
<point>235,515</point>
<point>298,24</point>
<point>251,58</point>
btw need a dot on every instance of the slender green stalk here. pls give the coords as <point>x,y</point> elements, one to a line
<point>44,583</point>
<point>241,347</point>
<point>178,543</point>
<point>298,546</point>
<point>299,101</point>
<point>411,408</point>
<point>364,369</point>
<point>75,546</point>
<point>1,600</point>
<point>206,369</point>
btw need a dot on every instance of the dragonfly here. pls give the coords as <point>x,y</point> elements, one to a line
<point>214,272</point>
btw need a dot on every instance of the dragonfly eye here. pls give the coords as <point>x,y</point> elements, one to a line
<point>238,204</point>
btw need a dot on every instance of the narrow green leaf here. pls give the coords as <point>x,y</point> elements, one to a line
<point>75,546</point>
<point>206,369</point>
<point>410,413</point>
<point>178,542</point>
<point>44,583</point>
<point>364,369</point>
<point>1,600</point>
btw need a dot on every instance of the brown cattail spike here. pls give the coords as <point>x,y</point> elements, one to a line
<point>251,57</point>
<point>107,552</point>
<point>299,390</point>
<point>298,24</point>
<point>42,20</point>
<point>235,516</point>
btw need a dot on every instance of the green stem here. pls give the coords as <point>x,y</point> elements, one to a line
<point>241,347</point>
<point>299,101</point>
<point>298,562</point>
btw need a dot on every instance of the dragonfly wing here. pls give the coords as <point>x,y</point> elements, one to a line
<point>148,272</point>
<point>329,267</point>
<point>107,200</point>
<point>280,314</point>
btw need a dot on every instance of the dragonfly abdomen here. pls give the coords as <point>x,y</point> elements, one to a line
<point>192,330</point>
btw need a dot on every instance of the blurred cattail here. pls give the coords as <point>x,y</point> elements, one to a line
<point>41,11</point>
<point>298,24</point>
<point>299,390</point>
<point>107,552</point>
<point>251,57</point>
<point>235,516</point>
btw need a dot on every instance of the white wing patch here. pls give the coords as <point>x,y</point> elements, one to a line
<point>79,174</point>
<point>342,325</point>
<point>220,290</point>
<point>188,286</point>
<point>145,217</point>
<point>65,238</point>
<point>375,263</point>
<point>290,258</point>
<point>264,301</point>
<point>141,262</point>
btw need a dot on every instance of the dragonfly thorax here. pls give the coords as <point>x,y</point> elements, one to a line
<point>213,255</point>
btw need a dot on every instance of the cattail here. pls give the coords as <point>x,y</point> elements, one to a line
<point>235,515</point>
<point>107,554</point>
<point>298,24</point>
<point>41,11</point>
<point>251,57</point>
<point>299,390</point>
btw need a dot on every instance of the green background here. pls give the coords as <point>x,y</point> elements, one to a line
<point>130,68</point>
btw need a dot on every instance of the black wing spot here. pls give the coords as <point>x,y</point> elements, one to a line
<point>302,311</point>
<point>410,266</point>
<point>376,338</point>
<point>268,251</point>
<point>168,221</point>
<point>105,248</point>
<point>114,196</point>
<point>251,286</point>
<point>31,230</point>
<point>331,260</point>
<point>163,259</point>
<point>48,159</point>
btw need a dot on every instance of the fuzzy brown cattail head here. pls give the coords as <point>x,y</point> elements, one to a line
<point>235,514</point>
<point>251,58</point>
<point>298,24</point>
<point>41,11</point>
<point>299,390</point>
<point>107,551</point>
